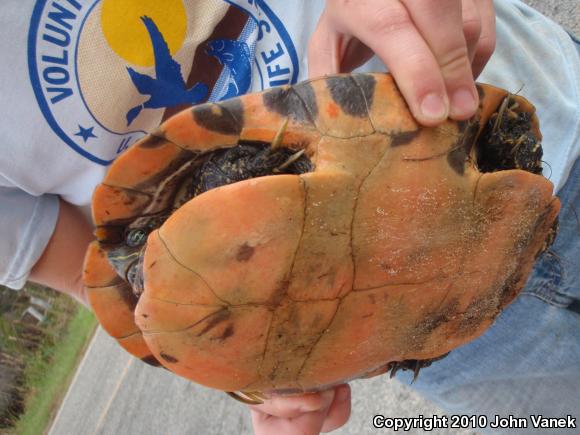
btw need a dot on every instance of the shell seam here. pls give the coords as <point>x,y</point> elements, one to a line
<point>189,269</point>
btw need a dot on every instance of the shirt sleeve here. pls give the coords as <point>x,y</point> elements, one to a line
<point>26,226</point>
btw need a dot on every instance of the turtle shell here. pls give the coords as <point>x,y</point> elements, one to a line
<point>390,242</point>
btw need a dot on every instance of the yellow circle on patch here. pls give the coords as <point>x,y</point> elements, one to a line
<point>127,35</point>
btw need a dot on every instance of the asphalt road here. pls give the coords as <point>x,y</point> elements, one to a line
<point>112,393</point>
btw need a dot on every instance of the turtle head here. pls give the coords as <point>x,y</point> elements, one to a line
<point>127,258</point>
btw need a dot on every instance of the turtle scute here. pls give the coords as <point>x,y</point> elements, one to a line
<point>304,236</point>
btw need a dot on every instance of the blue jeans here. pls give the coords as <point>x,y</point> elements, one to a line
<point>528,362</point>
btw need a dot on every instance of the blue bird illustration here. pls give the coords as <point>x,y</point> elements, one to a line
<point>168,87</point>
<point>235,56</point>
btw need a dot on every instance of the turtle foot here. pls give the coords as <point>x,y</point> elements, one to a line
<point>411,364</point>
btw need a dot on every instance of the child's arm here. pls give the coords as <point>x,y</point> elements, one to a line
<point>60,265</point>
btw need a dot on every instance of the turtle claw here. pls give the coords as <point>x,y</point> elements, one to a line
<point>257,396</point>
<point>416,370</point>
<point>502,108</point>
<point>248,397</point>
<point>277,141</point>
<point>394,368</point>
<point>288,162</point>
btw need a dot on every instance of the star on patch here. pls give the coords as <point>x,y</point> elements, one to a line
<point>85,133</point>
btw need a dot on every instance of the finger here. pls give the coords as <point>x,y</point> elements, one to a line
<point>487,38</point>
<point>339,411</point>
<point>323,49</point>
<point>441,24</point>
<point>294,406</point>
<point>471,26</point>
<point>309,423</point>
<point>392,35</point>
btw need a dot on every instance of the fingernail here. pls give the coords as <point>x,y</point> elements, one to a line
<point>463,103</point>
<point>315,401</point>
<point>433,107</point>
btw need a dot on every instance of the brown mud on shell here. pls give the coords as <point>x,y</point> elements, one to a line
<point>304,236</point>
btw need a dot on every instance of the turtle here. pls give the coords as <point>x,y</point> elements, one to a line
<point>293,239</point>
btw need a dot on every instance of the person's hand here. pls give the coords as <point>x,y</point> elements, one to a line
<point>307,414</point>
<point>434,49</point>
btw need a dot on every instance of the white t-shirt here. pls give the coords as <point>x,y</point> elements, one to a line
<point>81,80</point>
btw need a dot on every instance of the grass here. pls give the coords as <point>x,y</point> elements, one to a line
<point>47,377</point>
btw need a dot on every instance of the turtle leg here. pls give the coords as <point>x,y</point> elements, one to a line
<point>248,397</point>
<point>509,140</point>
<point>277,142</point>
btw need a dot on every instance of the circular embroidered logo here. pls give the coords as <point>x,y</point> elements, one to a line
<point>105,72</point>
